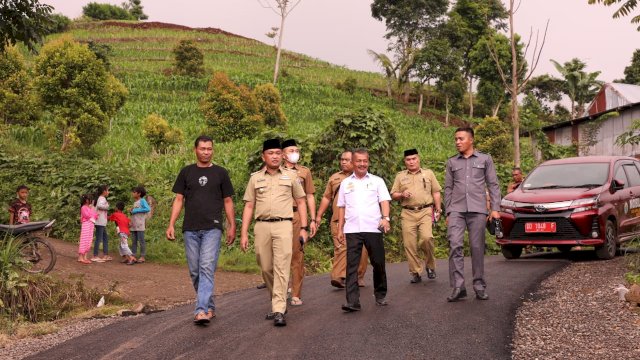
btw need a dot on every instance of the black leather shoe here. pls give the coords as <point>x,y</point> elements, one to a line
<point>279,320</point>
<point>351,307</point>
<point>261,286</point>
<point>338,283</point>
<point>382,302</point>
<point>415,278</point>
<point>457,294</point>
<point>481,295</point>
<point>431,274</point>
<point>272,315</point>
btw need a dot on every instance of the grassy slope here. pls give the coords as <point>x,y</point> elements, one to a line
<point>140,60</point>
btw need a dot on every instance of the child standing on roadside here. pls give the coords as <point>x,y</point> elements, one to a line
<point>122,228</point>
<point>102,206</point>
<point>88,218</point>
<point>19,208</point>
<point>138,218</point>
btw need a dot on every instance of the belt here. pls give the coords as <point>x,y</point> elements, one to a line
<point>295,208</point>
<point>416,208</point>
<point>275,219</point>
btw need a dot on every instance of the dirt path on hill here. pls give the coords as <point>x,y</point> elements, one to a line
<point>157,285</point>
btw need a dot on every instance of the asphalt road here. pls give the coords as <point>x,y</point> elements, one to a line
<point>418,323</point>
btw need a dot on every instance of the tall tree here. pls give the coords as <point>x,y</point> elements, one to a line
<point>624,9</point>
<point>632,72</point>
<point>580,86</point>
<point>429,61</point>
<point>469,21</point>
<point>135,8</point>
<point>25,21</point>
<point>387,66</point>
<point>282,8</point>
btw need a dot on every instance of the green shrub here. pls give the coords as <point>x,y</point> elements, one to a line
<point>59,23</point>
<point>189,60</point>
<point>78,92</point>
<point>493,137</point>
<point>18,103</point>
<point>160,134</point>
<point>98,11</point>
<point>349,85</point>
<point>102,51</point>
<point>270,105</point>
<point>231,111</point>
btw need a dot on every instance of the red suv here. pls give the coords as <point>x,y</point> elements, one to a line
<point>590,200</point>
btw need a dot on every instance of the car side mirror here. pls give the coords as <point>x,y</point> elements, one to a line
<point>617,185</point>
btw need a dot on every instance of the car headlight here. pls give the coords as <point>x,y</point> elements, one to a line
<point>507,203</point>
<point>584,204</point>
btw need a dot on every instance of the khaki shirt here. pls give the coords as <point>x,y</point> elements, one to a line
<point>465,183</point>
<point>273,194</point>
<point>331,192</point>
<point>421,185</point>
<point>303,177</point>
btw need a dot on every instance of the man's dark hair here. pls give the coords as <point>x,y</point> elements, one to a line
<point>467,130</point>
<point>140,190</point>
<point>202,138</point>
<point>22,187</point>
<point>120,205</point>
<point>360,150</point>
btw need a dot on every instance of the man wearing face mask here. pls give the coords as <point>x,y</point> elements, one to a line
<point>291,154</point>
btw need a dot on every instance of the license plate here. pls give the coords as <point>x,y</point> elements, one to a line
<point>540,227</point>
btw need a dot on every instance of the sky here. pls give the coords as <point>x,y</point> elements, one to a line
<point>341,31</point>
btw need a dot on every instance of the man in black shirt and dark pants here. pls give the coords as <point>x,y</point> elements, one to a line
<point>204,189</point>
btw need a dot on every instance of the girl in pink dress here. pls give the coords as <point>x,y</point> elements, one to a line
<point>88,216</point>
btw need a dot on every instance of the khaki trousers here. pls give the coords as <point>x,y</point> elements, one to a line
<point>417,235</point>
<point>297,258</point>
<point>273,252</point>
<point>339,268</point>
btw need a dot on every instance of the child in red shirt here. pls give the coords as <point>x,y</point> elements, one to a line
<point>122,228</point>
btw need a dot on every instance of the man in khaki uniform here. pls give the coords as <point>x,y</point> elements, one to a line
<point>271,193</point>
<point>419,194</point>
<point>339,267</point>
<point>291,154</point>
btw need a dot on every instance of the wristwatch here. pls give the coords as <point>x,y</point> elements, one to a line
<point>386,218</point>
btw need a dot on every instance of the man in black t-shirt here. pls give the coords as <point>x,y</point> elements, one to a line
<point>205,190</point>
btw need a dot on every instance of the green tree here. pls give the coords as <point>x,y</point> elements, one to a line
<point>25,21</point>
<point>160,134</point>
<point>450,83</point>
<point>231,111</point>
<point>625,9</point>
<point>388,67</point>
<point>189,60</point>
<point>59,23</point>
<point>134,7</point>
<point>366,127</point>
<point>102,51</point>
<point>99,11</point>
<point>18,102</point>
<point>270,105</point>
<point>429,61</point>
<point>80,96</point>
<point>492,137</point>
<point>632,72</point>
<point>580,86</point>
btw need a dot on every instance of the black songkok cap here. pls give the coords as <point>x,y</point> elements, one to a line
<point>410,152</point>
<point>287,143</point>
<point>271,144</point>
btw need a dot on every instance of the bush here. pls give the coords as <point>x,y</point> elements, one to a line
<point>79,93</point>
<point>160,134</point>
<point>189,60</point>
<point>98,11</point>
<point>18,103</point>
<point>59,23</point>
<point>366,127</point>
<point>493,137</point>
<point>231,111</point>
<point>269,105</point>
<point>349,85</point>
<point>102,52</point>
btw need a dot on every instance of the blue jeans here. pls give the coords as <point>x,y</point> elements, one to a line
<point>138,236</point>
<point>101,235</point>
<point>202,248</point>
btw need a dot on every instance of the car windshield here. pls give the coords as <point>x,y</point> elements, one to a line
<point>584,175</point>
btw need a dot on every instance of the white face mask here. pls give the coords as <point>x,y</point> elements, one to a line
<point>293,157</point>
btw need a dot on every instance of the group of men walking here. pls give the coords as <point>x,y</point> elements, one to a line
<point>280,199</point>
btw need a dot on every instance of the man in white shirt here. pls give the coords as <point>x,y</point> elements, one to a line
<point>363,205</point>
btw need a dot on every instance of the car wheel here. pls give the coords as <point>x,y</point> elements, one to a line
<point>608,250</point>
<point>511,252</point>
<point>565,248</point>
